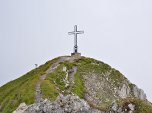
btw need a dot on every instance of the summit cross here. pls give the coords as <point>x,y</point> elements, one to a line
<point>75,33</point>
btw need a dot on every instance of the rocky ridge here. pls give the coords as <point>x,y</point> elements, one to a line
<point>83,85</point>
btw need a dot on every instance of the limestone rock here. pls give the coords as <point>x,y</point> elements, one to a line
<point>131,107</point>
<point>64,69</point>
<point>114,106</point>
<point>128,108</point>
<point>63,104</point>
<point>124,92</point>
<point>21,109</point>
<point>139,93</point>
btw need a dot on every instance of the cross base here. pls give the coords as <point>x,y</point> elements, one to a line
<point>76,55</point>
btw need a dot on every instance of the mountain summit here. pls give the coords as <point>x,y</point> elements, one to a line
<point>73,85</point>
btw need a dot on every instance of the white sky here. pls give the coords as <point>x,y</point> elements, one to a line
<point>118,32</point>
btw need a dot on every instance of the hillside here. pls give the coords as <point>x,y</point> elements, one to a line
<point>65,84</point>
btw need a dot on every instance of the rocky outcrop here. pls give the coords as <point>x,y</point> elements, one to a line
<point>100,91</point>
<point>71,104</point>
<point>124,92</point>
<point>139,93</point>
<point>127,108</point>
<point>63,104</point>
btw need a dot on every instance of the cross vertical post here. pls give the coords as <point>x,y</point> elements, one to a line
<point>75,33</point>
<point>75,40</point>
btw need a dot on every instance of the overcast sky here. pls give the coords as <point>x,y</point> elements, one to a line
<point>118,32</point>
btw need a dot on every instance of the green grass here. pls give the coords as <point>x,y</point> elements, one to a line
<point>78,87</point>
<point>142,107</point>
<point>68,65</point>
<point>49,90</point>
<point>21,89</point>
<point>91,65</point>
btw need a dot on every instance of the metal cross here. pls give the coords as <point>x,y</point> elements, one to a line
<point>75,33</point>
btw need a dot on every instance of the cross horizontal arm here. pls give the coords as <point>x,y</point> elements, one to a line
<point>77,32</point>
<point>80,32</point>
<point>71,33</point>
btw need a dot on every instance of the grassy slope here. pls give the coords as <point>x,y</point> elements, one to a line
<point>21,89</point>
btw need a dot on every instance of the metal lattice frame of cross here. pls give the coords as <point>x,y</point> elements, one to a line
<point>75,33</point>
